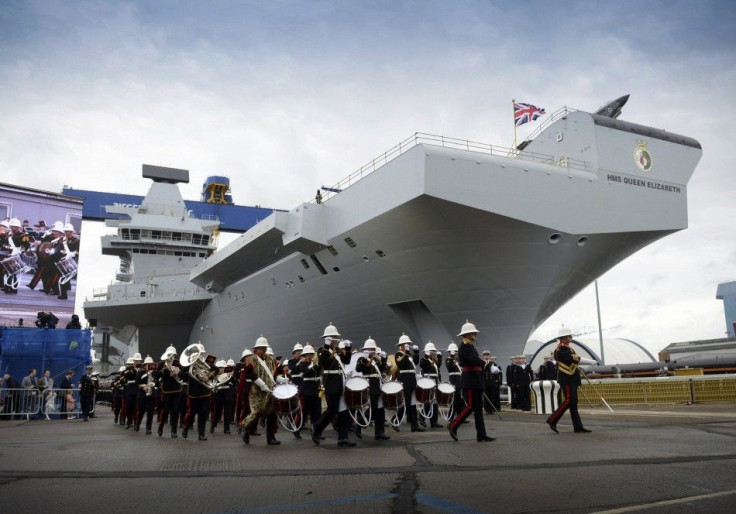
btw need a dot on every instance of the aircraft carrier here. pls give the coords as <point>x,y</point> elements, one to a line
<point>435,232</point>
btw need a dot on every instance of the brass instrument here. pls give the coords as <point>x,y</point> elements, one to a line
<point>193,357</point>
<point>150,381</point>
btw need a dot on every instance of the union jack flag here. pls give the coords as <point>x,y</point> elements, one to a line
<point>524,113</point>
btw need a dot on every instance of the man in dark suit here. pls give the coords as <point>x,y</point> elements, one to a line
<point>471,380</point>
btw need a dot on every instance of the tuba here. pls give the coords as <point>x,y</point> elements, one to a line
<point>193,357</point>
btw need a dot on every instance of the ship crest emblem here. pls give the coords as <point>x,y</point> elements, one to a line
<point>642,157</point>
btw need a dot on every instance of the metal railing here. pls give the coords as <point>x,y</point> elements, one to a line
<point>419,138</point>
<point>659,390</point>
<point>48,404</point>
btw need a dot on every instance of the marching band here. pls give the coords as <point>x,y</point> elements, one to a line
<point>50,254</point>
<point>358,388</point>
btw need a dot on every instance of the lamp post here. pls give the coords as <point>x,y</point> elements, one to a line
<point>600,329</point>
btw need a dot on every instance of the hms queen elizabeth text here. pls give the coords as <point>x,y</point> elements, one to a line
<point>637,182</point>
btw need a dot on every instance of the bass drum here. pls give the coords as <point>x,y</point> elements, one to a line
<point>287,406</point>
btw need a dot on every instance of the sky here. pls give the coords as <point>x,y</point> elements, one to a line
<point>284,96</point>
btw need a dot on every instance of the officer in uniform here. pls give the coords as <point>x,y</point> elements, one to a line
<point>453,374</point>
<point>371,366</point>
<point>429,368</point>
<point>309,382</point>
<point>333,379</point>
<point>146,383</point>
<point>471,381</point>
<point>568,376</point>
<point>407,375</point>
<point>171,389</point>
<point>88,385</point>
<point>548,369</point>
<point>261,401</point>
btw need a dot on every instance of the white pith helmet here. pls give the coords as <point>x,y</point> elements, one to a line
<point>58,226</point>
<point>261,342</point>
<point>297,347</point>
<point>284,362</point>
<point>269,350</point>
<point>564,331</point>
<point>468,328</point>
<point>148,360</point>
<point>308,350</point>
<point>230,362</point>
<point>220,364</point>
<point>4,224</point>
<point>404,339</point>
<point>429,347</point>
<point>68,227</point>
<point>330,331</point>
<point>370,344</point>
<point>452,348</point>
<point>130,360</point>
<point>246,352</point>
<point>170,352</point>
<point>15,222</point>
<point>122,368</point>
<point>137,356</point>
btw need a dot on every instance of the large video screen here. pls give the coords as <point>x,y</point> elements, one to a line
<point>40,236</point>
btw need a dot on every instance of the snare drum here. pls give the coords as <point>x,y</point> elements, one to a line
<point>356,392</point>
<point>445,395</point>
<point>393,395</point>
<point>286,398</point>
<point>425,390</point>
<point>67,269</point>
<point>13,264</point>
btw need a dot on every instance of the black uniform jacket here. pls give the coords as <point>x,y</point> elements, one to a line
<point>567,366</point>
<point>332,374</point>
<point>471,365</point>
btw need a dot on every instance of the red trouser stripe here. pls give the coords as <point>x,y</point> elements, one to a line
<point>465,412</point>
<point>555,417</point>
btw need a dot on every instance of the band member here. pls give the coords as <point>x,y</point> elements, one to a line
<point>224,397</point>
<point>146,383</point>
<point>309,372</point>
<point>16,240</point>
<point>333,379</point>
<point>371,365</point>
<point>430,369</point>
<point>118,395</point>
<point>48,253</point>
<point>131,392</point>
<point>453,375</point>
<point>88,385</point>
<point>171,389</point>
<point>261,401</point>
<point>407,375</point>
<point>198,403</point>
<point>242,404</point>
<point>568,376</point>
<point>70,250</point>
<point>471,380</point>
<point>548,369</point>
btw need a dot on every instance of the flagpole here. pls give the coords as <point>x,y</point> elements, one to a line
<point>513,103</point>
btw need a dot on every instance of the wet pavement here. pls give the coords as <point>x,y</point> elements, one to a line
<point>663,458</point>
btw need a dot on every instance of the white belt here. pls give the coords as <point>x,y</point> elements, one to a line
<point>249,380</point>
<point>312,379</point>
<point>407,371</point>
<point>130,382</point>
<point>372,376</point>
<point>454,373</point>
<point>332,372</point>
<point>300,375</point>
